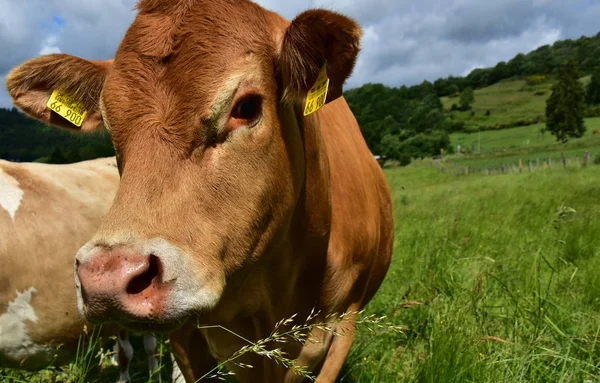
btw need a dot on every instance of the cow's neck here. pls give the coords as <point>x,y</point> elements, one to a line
<point>289,279</point>
<point>297,263</point>
<point>305,242</point>
<point>293,268</point>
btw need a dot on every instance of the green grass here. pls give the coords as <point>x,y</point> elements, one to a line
<point>508,101</point>
<point>88,366</point>
<point>505,274</point>
<point>486,258</point>
<point>521,137</point>
<point>491,149</point>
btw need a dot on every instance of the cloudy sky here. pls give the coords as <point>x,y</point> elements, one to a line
<point>405,41</point>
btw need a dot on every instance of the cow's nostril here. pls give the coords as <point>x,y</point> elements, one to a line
<point>141,282</point>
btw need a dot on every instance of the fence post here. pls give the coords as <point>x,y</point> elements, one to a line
<point>502,168</point>
<point>564,159</point>
<point>530,165</point>
<point>520,166</point>
<point>586,159</point>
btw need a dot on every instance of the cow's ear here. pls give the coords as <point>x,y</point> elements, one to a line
<point>315,38</point>
<point>79,82</point>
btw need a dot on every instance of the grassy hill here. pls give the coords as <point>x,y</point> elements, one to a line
<point>507,101</point>
<point>492,149</point>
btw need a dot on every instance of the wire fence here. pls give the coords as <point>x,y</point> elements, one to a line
<point>521,166</point>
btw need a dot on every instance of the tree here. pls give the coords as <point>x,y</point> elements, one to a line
<point>500,72</point>
<point>593,89</point>
<point>467,97</point>
<point>73,155</point>
<point>392,149</point>
<point>452,89</point>
<point>57,157</point>
<point>565,107</point>
<point>25,139</point>
<point>515,66</point>
<point>389,146</point>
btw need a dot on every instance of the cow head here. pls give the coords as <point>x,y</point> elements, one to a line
<point>204,104</point>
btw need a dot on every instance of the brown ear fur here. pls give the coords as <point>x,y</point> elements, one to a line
<point>31,84</point>
<point>313,38</point>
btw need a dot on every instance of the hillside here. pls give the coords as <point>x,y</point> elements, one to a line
<point>508,102</point>
<point>408,122</point>
<point>24,139</point>
<point>545,60</point>
<point>393,120</point>
<point>492,149</point>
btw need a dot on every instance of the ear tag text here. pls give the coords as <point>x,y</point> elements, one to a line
<point>315,99</point>
<point>67,107</point>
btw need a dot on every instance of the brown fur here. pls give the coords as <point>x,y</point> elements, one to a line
<point>314,38</point>
<point>31,84</point>
<point>283,217</point>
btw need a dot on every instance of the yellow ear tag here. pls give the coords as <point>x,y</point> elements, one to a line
<point>315,99</point>
<point>66,106</point>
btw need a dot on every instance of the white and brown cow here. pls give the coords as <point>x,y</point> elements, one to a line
<point>234,207</point>
<point>46,213</point>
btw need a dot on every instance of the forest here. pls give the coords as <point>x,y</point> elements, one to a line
<point>23,139</point>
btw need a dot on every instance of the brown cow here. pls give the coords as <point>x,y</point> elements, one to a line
<point>46,213</point>
<point>234,208</point>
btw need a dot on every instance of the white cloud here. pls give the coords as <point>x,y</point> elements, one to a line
<point>50,46</point>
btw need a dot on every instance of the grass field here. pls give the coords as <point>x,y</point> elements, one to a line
<point>505,272</point>
<point>508,101</point>
<point>507,146</point>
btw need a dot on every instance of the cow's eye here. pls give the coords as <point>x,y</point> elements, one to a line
<point>246,111</point>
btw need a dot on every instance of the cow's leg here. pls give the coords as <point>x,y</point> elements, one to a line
<point>191,353</point>
<point>150,349</point>
<point>338,350</point>
<point>124,355</point>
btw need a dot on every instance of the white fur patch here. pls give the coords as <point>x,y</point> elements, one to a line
<point>11,194</point>
<point>15,343</point>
